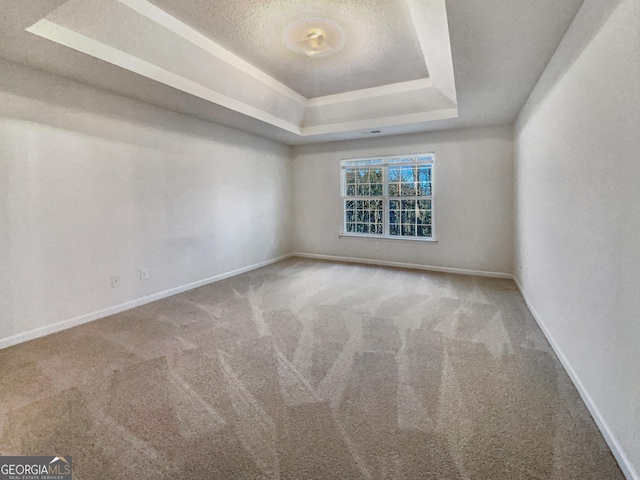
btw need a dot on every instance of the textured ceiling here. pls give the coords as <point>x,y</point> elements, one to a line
<point>499,48</point>
<point>380,47</point>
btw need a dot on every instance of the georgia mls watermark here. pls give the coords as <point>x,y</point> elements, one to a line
<point>36,468</point>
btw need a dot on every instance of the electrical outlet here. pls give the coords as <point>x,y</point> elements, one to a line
<point>144,274</point>
<point>116,281</point>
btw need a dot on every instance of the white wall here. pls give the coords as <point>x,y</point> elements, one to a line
<point>578,215</point>
<point>93,185</point>
<point>473,203</point>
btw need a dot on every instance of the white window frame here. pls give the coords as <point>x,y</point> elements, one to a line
<point>385,162</point>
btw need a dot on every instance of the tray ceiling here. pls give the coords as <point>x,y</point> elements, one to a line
<point>141,37</point>
<point>381,46</point>
<point>226,61</point>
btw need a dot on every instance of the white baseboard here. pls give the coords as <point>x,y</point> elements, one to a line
<point>89,317</point>
<point>618,452</point>
<point>413,266</point>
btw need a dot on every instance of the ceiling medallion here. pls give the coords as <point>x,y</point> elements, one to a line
<point>314,37</point>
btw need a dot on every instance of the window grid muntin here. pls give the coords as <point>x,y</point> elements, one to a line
<point>415,214</point>
<point>364,215</point>
<point>418,221</point>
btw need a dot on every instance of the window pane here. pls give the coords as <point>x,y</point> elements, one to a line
<point>408,230</point>
<point>349,205</point>
<point>424,188</point>
<point>394,205</point>
<point>351,190</point>
<point>424,218</point>
<point>408,189</point>
<point>351,216</point>
<point>393,217</point>
<point>360,204</point>
<point>350,177</point>
<point>376,189</point>
<point>394,174</point>
<point>408,204</point>
<point>408,216</point>
<point>376,204</point>
<point>375,175</point>
<point>363,190</point>
<point>394,229</point>
<point>362,175</point>
<point>394,190</point>
<point>363,228</point>
<point>424,204</point>
<point>378,229</point>
<point>424,174</point>
<point>408,174</point>
<point>424,231</point>
<point>351,227</point>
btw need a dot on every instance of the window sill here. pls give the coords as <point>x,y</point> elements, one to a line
<point>389,237</point>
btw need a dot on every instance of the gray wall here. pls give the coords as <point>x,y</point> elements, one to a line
<point>578,213</point>
<point>94,185</point>
<point>473,200</point>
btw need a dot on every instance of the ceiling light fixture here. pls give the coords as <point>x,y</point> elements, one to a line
<point>314,43</point>
<point>314,37</point>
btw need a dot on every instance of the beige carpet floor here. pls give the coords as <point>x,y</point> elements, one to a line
<point>307,370</point>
